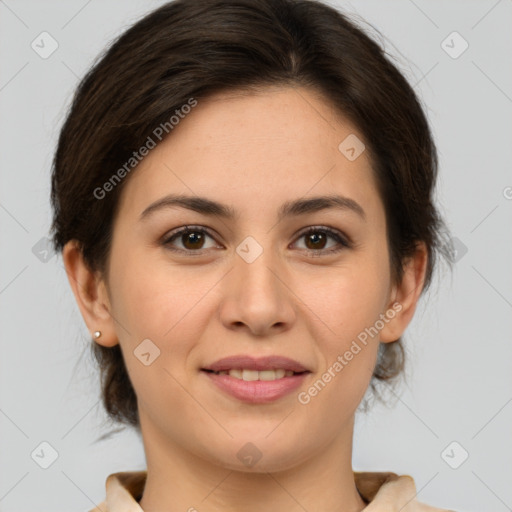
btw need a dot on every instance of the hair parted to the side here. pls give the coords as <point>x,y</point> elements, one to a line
<point>195,48</point>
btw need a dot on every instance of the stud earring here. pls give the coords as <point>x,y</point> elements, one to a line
<point>97,334</point>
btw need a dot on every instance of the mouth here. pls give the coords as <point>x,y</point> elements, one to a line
<point>246,364</point>
<point>250,375</point>
<point>254,389</point>
<point>256,380</point>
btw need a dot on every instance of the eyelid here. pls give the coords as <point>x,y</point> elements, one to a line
<point>338,235</point>
<point>165,240</point>
<point>341,238</point>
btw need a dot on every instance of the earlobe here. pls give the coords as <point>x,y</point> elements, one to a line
<point>91,295</point>
<point>405,295</point>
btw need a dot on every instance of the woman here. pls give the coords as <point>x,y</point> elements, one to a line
<point>243,198</point>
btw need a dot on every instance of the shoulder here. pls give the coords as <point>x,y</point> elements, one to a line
<point>390,491</point>
<point>123,489</point>
<point>102,507</point>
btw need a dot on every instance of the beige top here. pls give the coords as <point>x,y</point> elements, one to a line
<point>383,491</point>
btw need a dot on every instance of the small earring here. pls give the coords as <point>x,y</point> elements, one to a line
<point>97,334</point>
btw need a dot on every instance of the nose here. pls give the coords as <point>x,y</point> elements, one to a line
<point>257,298</point>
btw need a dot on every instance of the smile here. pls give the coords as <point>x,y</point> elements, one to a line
<point>257,387</point>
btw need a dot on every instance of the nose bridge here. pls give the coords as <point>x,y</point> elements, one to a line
<point>257,296</point>
<point>255,267</point>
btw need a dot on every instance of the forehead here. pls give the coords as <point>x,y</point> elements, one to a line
<point>270,144</point>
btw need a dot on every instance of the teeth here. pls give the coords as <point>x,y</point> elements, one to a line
<point>251,375</point>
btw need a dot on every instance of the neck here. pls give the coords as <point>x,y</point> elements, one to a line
<point>179,480</point>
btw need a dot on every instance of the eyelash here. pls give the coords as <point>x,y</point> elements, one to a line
<point>342,240</point>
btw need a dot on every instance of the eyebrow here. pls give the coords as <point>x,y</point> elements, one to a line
<point>212,208</point>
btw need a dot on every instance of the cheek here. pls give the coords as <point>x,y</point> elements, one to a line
<point>156,300</point>
<point>136,291</point>
<point>348,297</point>
<point>158,303</point>
<point>344,306</point>
<point>348,308</point>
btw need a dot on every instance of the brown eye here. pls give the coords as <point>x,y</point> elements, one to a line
<point>316,240</point>
<point>192,239</point>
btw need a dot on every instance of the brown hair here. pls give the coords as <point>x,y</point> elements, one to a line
<point>194,48</point>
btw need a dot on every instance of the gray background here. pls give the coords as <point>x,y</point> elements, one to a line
<point>459,344</point>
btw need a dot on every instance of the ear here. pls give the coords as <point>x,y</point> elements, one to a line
<point>404,295</point>
<point>91,295</point>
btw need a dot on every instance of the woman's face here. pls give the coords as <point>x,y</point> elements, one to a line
<point>254,284</point>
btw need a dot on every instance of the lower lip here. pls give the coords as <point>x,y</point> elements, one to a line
<point>257,391</point>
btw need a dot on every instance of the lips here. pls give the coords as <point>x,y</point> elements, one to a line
<point>256,380</point>
<point>246,362</point>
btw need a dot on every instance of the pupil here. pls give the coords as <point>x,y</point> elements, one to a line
<point>315,238</point>
<point>192,237</point>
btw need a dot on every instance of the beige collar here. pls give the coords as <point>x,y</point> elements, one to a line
<point>383,491</point>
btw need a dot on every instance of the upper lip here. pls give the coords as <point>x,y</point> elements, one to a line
<point>243,362</point>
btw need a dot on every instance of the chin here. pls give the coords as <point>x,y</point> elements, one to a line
<point>260,454</point>
<point>262,461</point>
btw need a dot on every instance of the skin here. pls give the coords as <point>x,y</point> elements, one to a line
<point>252,152</point>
